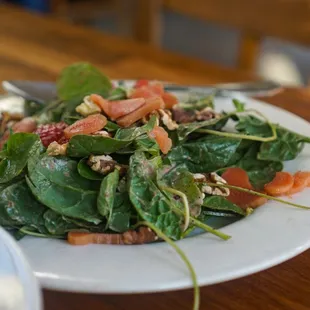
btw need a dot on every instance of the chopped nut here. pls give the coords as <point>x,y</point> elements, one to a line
<point>55,149</point>
<point>199,177</point>
<point>212,178</point>
<point>87,107</point>
<point>205,114</point>
<point>182,116</point>
<point>102,163</point>
<point>166,118</point>
<point>102,133</point>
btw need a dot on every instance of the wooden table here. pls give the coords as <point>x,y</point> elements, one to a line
<point>33,47</point>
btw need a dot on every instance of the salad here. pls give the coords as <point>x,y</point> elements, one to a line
<point>108,164</point>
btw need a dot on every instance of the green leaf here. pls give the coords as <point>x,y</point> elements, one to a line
<point>218,203</point>
<point>19,148</point>
<point>198,104</point>
<point>260,172</point>
<point>151,204</point>
<point>56,225</point>
<point>206,154</point>
<point>181,179</point>
<point>111,127</point>
<point>118,93</point>
<point>216,123</point>
<point>107,192</point>
<point>251,125</point>
<point>119,220</point>
<point>85,145</point>
<point>86,172</point>
<point>81,79</point>
<point>21,207</point>
<point>146,144</point>
<point>240,107</point>
<point>56,183</point>
<point>287,146</point>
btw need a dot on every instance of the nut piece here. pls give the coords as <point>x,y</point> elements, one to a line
<point>55,149</point>
<point>166,118</point>
<point>87,107</point>
<point>102,133</point>
<point>212,178</point>
<point>205,114</point>
<point>103,164</point>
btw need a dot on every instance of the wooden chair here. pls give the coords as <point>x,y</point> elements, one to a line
<point>285,19</point>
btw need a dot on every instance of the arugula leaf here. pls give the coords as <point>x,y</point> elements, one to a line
<point>218,203</point>
<point>151,204</point>
<point>111,127</point>
<point>86,172</point>
<point>21,207</point>
<point>56,183</point>
<point>286,147</point>
<point>19,148</point>
<point>81,79</point>
<point>206,154</point>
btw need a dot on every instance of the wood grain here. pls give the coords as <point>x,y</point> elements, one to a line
<point>41,49</point>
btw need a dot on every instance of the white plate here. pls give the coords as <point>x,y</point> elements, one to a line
<point>273,234</point>
<point>19,289</point>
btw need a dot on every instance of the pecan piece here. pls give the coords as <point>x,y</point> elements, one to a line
<point>55,149</point>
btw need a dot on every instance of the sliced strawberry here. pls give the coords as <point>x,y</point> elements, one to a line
<point>86,126</point>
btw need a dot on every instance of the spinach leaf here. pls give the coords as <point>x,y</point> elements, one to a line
<point>107,192</point>
<point>198,104</point>
<point>81,79</point>
<point>181,179</point>
<point>286,147</point>
<point>21,207</point>
<point>206,154</point>
<point>56,225</point>
<point>260,172</point>
<point>240,107</point>
<point>19,148</point>
<point>251,125</point>
<point>118,93</point>
<point>134,132</point>
<point>85,145</point>
<point>56,183</point>
<point>119,220</point>
<point>151,204</point>
<point>111,127</point>
<point>146,144</point>
<point>86,172</point>
<point>218,203</point>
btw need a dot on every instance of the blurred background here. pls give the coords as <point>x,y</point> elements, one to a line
<point>176,26</point>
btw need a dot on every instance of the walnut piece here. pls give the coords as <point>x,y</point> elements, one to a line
<point>212,178</point>
<point>166,118</point>
<point>55,149</point>
<point>102,133</point>
<point>87,107</point>
<point>103,164</point>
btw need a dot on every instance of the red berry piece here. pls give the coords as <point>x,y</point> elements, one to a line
<point>51,132</point>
